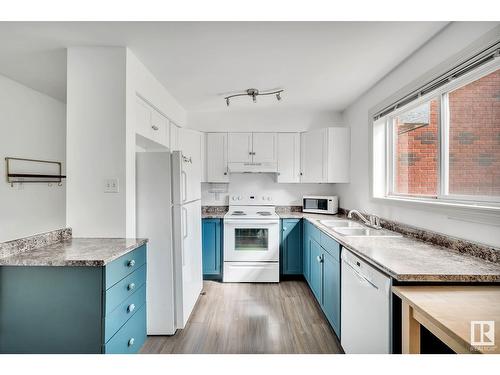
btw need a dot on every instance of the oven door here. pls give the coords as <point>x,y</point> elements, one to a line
<point>251,240</point>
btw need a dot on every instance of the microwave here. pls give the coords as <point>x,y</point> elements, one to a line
<point>320,204</point>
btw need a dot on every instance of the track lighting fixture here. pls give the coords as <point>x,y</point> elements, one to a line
<point>254,93</point>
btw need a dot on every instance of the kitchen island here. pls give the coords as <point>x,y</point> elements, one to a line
<point>76,295</point>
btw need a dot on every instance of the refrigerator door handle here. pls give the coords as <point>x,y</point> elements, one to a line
<point>184,185</point>
<point>184,232</point>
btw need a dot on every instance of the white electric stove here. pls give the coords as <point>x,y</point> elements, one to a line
<point>251,239</point>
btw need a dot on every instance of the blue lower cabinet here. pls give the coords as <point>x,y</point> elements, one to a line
<point>324,272</point>
<point>58,310</point>
<point>291,247</point>
<point>306,250</point>
<point>316,270</point>
<point>331,291</point>
<point>212,249</point>
<point>131,336</point>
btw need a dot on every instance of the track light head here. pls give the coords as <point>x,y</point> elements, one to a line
<point>227,102</point>
<point>278,96</point>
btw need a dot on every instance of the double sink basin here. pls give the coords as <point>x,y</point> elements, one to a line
<point>349,228</point>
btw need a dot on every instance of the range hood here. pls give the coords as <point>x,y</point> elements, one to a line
<point>266,167</point>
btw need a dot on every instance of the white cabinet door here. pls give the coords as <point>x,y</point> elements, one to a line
<point>240,147</point>
<point>313,160</point>
<point>288,157</point>
<point>339,154</point>
<point>143,118</point>
<point>160,128</point>
<point>174,137</point>
<point>216,155</point>
<point>190,145</point>
<point>264,147</point>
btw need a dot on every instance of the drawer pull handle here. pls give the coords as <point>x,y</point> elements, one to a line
<point>130,308</point>
<point>154,127</point>
<point>131,342</point>
<point>131,286</point>
<point>131,263</point>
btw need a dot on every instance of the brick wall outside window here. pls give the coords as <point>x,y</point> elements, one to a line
<point>474,142</point>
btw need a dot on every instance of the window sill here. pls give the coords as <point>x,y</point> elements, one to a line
<point>453,205</point>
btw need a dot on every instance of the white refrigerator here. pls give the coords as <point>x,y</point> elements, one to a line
<point>168,213</point>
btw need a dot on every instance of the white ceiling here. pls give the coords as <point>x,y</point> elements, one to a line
<point>321,65</point>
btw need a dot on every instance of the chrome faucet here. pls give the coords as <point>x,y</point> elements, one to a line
<point>373,221</point>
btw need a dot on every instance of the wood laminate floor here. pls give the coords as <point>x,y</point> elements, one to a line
<point>251,318</point>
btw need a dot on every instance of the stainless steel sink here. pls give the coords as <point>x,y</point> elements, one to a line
<point>365,232</point>
<point>340,223</point>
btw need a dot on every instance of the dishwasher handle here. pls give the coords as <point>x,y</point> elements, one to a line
<point>361,277</point>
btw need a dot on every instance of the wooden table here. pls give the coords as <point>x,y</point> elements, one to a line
<point>449,312</point>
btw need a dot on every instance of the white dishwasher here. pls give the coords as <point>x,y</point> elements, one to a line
<point>365,307</point>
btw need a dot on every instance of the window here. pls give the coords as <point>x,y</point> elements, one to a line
<point>444,145</point>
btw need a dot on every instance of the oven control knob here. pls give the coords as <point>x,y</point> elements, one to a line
<point>239,198</point>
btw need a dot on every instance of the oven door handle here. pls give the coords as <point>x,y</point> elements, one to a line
<point>248,222</point>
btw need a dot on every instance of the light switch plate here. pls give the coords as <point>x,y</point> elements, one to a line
<point>111,185</point>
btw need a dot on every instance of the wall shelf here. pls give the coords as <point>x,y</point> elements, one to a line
<point>24,171</point>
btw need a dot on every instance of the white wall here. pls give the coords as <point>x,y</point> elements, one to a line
<point>102,86</point>
<point>95,140</point>
<point>32,125</point>
<point>277,118</point>
<point>445,45</point>
<point>283,194</point>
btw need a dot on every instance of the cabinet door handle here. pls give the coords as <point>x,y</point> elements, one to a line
<point>154,127</point>
<point>131,263</point>
<point>130,308</point>
<point>284,229</point>
<point>131,286</point>
<point>319,259</point>
<point>131,342</point>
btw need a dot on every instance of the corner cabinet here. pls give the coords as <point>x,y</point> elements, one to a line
<point>49,309</point>
<point>212,249</point>
<point>291,247</point>
<point>325,155</point>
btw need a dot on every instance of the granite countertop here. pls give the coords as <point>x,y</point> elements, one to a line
<point>212,215</point>
<point>83,252</point>
<point>407,259</point>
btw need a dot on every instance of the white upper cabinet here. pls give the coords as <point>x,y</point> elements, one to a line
<point>160,128</point>
<point>174,137</point>
<point>150,123</point>
<point>264,148</point>
<point>240,147</point>
<point>288,157</point>
<point>190,144</point>
<point>252,152</point>
<point>325,155</point>
<point>216,157</point>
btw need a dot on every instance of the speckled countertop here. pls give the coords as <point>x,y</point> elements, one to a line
<point>83,252</point>
<point>406,259</point>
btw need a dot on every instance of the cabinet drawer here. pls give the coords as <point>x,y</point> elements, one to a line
<point>314,232</point>
<point>330,245</point>
<point>130,338</point>
<point>123,289</point>
<point>125,311</point>
<point>126,264</point>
